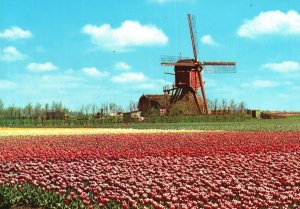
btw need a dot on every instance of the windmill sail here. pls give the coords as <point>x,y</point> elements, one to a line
<point>173,60</point>
<point>194,30</point>
<point>188,74</point>
<point>219,67</point>
<point>192,21</point>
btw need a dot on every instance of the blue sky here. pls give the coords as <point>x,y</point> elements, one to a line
<point>83,52</point>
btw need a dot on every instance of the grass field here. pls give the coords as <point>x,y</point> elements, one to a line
<point>286,124</point>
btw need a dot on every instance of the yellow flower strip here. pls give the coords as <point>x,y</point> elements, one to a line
<point>5,132</point>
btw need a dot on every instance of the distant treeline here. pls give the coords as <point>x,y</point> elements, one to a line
<point>220,111</point>
<point>224,107</point>
<point>36,111</point>
<point>32,112</point>
<point>35,114</point>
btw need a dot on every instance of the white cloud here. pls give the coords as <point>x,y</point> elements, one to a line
<point>93,72</point>
<point>122,66</point>
<point>271,22</point>
<point>139,81</point>
<point>129,34</point>
<point>283,67</point>
<point>15,33</point>
<point>260,84</point>
<point>11,54</point>
<point>146,86</point>
<point>264,83</point>
<point>207,39</point>
<point>129,77</point>
<point>4,84</point>
<point>153,85</point>
<point>58,82</point>
<point>41,67</point>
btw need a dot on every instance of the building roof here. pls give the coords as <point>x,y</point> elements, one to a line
<point>161,99</point>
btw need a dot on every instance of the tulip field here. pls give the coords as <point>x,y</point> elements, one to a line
<point>151,170</point>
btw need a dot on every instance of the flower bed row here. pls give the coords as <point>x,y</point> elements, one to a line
<point>187,170</point>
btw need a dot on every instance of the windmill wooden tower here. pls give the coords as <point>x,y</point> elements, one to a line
<point>188,75</point>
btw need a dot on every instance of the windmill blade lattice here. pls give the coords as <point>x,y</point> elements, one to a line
<point>194,29</point>
<point>188,75</point>
<point>172,60</point>
<point>219,67</point>
<point>192,22</point>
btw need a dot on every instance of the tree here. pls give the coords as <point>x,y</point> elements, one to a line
<point>232,106</point>
<point>19,113</point>
<point>94,109</point>
<point>133,106</point>
<point>215,105</point>
<point>11,112</point>
<point>46,107</point>
<point>37,110</point>
<point>28,110</point>
<point>1,109</point>
<point>87,109</point>
<point>105,109</point>
<point>178,109</point>
<point>81,111</point>
<point>224,106</point>
<point>113,108</point>
<point>242,107</point>
<point>57,106</point>
<point>210,104</point>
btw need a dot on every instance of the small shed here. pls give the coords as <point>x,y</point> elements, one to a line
<point>249,112</point>
<point>100,114</point>
<point>255,113</point>
<point>55,115</point>
<point>157,101</point>
<point>134,116</point>
<point>116,114</point>
<point>272,115</point>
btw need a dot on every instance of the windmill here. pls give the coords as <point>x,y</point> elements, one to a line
<point>188,75</point>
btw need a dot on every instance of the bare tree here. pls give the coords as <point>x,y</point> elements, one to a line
<point>19,112</point>
<point>10,111</point>
<point>232,106</point>
<point>28,110</point>
<point>224,105</point>
<point>81,111</point>
<point>37,110</point>
<point>94,109</point>
<point>46,107</point>
<point>215,105</point>
<point>1,109</point>
<point>87,109</point>
<point>113,108</point>
<point>105,108</point>
<point>210,104</point>
<point>242,107</point>
<point>133,106</point>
